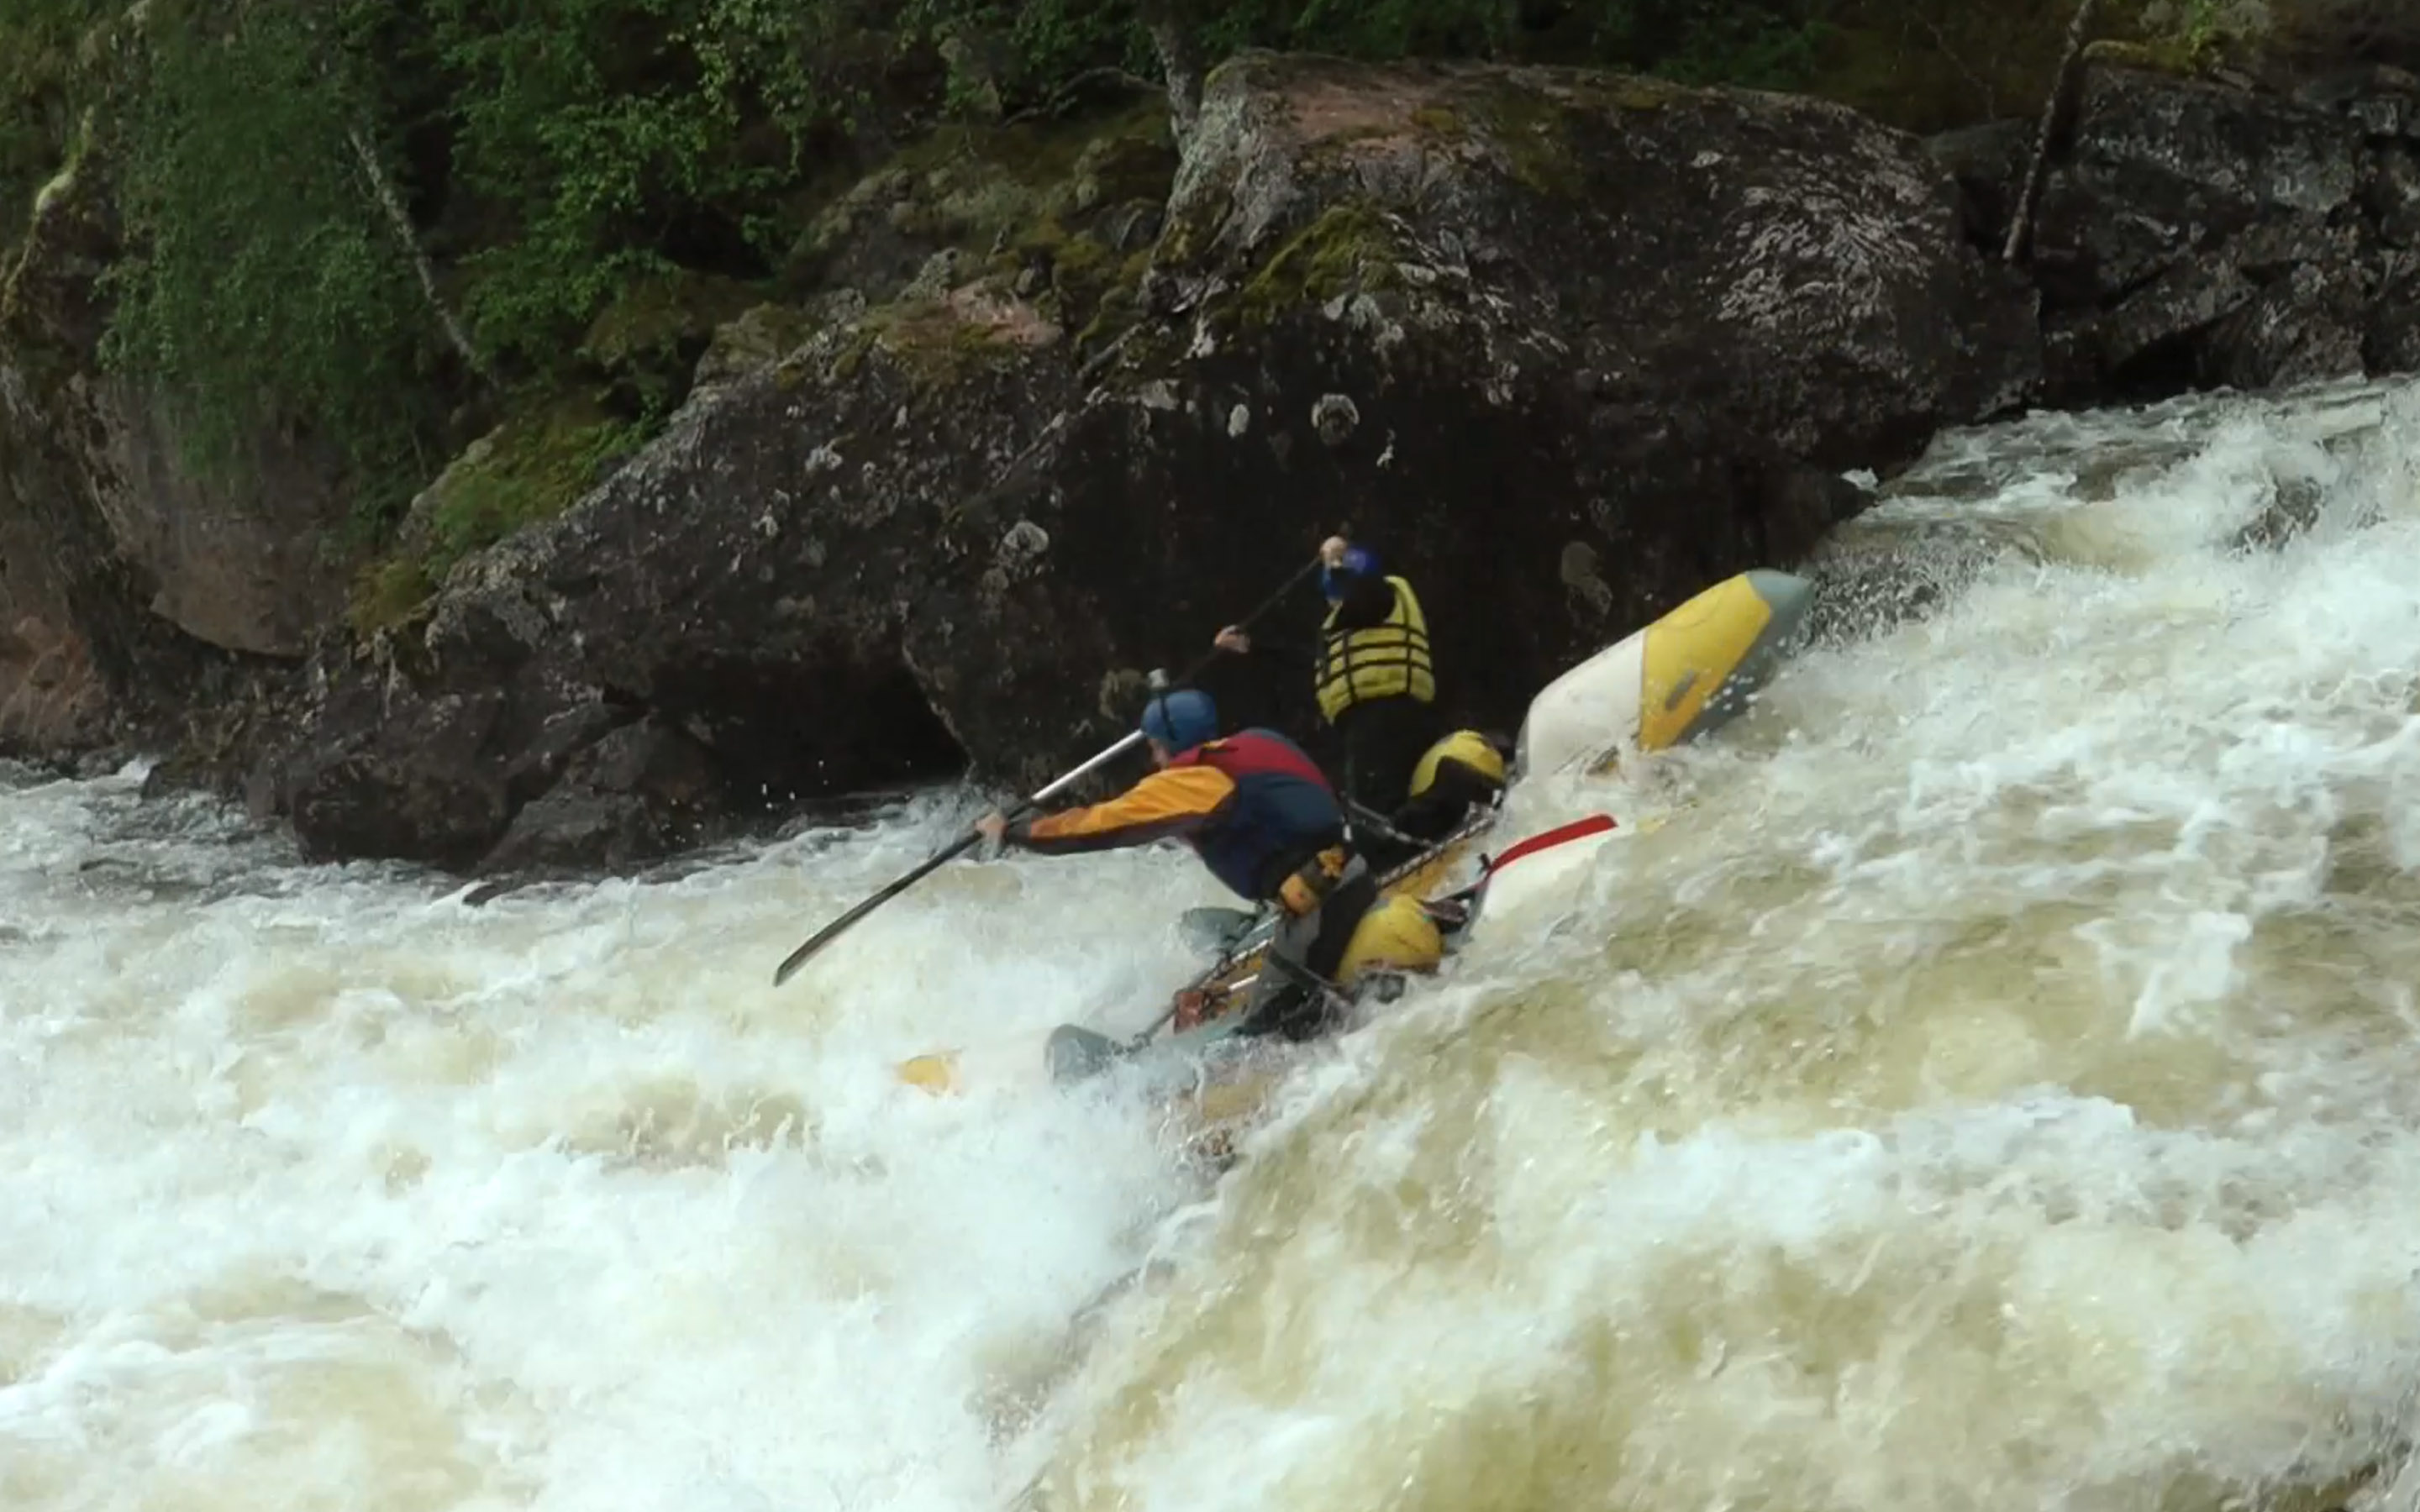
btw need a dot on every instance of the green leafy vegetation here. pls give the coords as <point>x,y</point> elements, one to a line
<point>608,141</point>
<point>532,466</point>
<point>262,289</point>
<point>385,228</point>
<point>41,88</point>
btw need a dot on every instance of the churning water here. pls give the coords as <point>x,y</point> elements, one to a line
<point>1993,1083</point>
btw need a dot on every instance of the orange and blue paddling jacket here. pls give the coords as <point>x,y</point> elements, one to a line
<point>1253,806</point>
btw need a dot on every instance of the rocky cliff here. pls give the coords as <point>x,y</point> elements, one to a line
<point>1563,346</point>
<point>2196,234</point>
<point>134,597</point>
<point>1566,348</point>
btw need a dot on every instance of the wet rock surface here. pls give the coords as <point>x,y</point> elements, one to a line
<point>135,596</point>
<point>2200,234</point>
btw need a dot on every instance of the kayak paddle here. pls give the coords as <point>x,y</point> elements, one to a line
<point>963,843</point>
<point>1214,931</point>
<point>832,931</point>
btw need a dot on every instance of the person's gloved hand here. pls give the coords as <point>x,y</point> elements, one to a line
<point>993,828</point>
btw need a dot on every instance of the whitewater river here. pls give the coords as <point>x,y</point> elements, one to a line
<point>1992,1081</point>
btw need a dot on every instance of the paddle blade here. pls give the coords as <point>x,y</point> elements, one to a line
<point>1074,1053</point>
<point>936,1073</point>
<point>1214,931</point>
<point>832,931</point>
<point>791,962</point>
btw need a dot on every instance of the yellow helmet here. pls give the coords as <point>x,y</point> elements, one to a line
<point>1467,747</point>
<point>1397,933</point>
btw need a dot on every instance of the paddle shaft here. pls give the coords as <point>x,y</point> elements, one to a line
<point>958,847</point>
<point>1377,823</point>
<point>966,842</point>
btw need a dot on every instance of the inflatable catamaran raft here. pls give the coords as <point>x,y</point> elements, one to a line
<point>1672,681</point>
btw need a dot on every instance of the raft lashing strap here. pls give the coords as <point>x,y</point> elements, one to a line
<point>1595,824</point>
<point>1453,911</point>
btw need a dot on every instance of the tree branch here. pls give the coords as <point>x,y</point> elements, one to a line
<point>1065,94</point>
<point>382,188</point>
<point>2062,84</point>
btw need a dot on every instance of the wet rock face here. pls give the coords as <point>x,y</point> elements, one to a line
<point>132,593</point>
<point>1783,262</point>
<point>640,790</point>
<point>50,696</point>
<point>2197,234</point>
<point>1564,348</point>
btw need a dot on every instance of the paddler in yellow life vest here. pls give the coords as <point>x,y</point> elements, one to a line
<point>1374,679</point>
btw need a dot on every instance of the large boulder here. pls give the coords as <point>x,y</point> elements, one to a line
<point>2198,233</point>
<point>1565,348</point>
<point>1782,261</point>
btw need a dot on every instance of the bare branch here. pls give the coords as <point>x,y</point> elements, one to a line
<point>400,219</point>
<point>2021,220</point>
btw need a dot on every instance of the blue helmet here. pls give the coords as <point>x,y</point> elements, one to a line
<point>1181,720</point>
<point>1360,562</point>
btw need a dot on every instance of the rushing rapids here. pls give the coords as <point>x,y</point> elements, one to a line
<point>1994,1083</point>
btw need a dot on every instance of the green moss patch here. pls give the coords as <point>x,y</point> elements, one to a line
<point>1531,130</point>
<point>533,467</point>
<point>540,464</point>
<point>1349,249</point>
<point>984,189</point>
<point>2178,58</point>
<point>939,343</point>
<point>1120,305</point>
<point>387,595</point>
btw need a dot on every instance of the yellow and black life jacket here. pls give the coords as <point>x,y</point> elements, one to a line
<point>1389,659</point>
<point>1466,749</point>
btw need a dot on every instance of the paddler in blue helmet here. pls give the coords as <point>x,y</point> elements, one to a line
<point>1372,677</point>
<point>1264,819</point>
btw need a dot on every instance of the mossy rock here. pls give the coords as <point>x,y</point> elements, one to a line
<point>939,343</point>
<point>536,463</point>
<point>1075,272</point>
<point>1118,311</point>
<point>1083,271</point>
<point>541,462</point>
<point>984,190</point>
<point>766,333</point>
<point>388,596</point>
<point>1137,161</point>
<point>1532,127</point>
<point>1350,248</point>
<point>647,343</point>
<point>2171,57</point>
